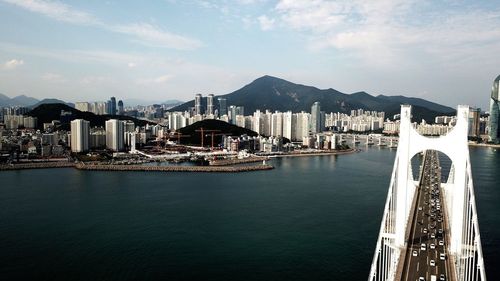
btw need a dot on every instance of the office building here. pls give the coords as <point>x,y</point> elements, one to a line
<point>80,134</point>
<point>210,105</point>
<point>120,107</point>
<point>113,106</point>
<point>197,104</point>
<point>316,118</point>
<point>222,107</point>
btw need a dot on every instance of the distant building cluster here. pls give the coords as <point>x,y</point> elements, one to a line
<point>290,125</point>
<point>21,134</point>
<point>109,107</point>
<point>443,124</point>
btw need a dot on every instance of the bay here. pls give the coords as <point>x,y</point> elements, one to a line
<point>311,218</point>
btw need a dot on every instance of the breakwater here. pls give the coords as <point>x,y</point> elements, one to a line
<point>197,169</point>
<point>37,165</point>
<point>227,162</point>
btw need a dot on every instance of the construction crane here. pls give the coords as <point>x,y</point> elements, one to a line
<point>179,136</point>
<point>202,131</point>
<point>213,134</point>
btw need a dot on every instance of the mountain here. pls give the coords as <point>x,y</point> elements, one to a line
<point>47,112</point>
<point>135,102</point>
<point>3,98</point>
<point>222,128</point>
<point>418,102</point>
<point>21,100</point>
<point>51,101</point>
<point>273,93</point>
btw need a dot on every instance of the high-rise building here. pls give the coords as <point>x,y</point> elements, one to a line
<point>222,107</point>
<point>474,121</point>
<point>210,104</point>
<point>316,118</point>
<point>494,132</point>
<point>114,135</point>
<point>197,104</point>
<point>120,107</point>
<point>113,106</point>
<point>80,134</point>
<point>30,122</point>
<point>82,106</point>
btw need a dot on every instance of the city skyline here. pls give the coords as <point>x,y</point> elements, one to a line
<point>441,51</point>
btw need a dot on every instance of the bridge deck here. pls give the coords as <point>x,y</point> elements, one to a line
<point>427,239</point>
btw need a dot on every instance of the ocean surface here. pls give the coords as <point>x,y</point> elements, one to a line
<point>311,218</point>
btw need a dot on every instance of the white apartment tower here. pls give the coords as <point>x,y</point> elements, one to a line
<point>115,132</point>
<point>80,134</point>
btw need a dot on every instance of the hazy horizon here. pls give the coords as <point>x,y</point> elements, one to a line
<point>443,51</point>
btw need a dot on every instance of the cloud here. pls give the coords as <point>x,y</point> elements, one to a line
<point>55,10</point>
<point>13,63</point>
<point>131,64</point>
<point>53,77</point>
<point>154,35</point>
<point>157,80</point>
<point>393,32</point>
<point>266,23</point>
<point>96,80</point>
<point>144,33</point>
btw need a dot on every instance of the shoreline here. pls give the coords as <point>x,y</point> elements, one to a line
<point>222,166</point>
<point>484,145</point>
<point>228,162</point>
<point>341,152</point>
<point>37,165</point>
<point>206,169</point>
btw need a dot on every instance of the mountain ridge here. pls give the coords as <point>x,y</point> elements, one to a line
<point>273,93</point>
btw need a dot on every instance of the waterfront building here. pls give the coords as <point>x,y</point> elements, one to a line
<point>114,135</point>
<point>97,138</point>
<point>277,124</point>
<point>316,118</point>
<point>474,122</point>
<point>288,124</point>
<point>494,132</point>
<point>80,132</point>
<point>197,104</point>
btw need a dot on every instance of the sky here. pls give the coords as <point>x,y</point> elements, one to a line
<point>444,51</point>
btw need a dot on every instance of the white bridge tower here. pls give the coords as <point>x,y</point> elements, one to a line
<point>464,248</point>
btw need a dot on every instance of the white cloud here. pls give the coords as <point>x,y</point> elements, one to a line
<point>55,10</point>
<point>157,80</point>
<point>131,64</point>
<point>142,32</point>
<point>150,34</point>
<point>266,23</point>
<point>96,80</point>
<point>392,32</point>
<point>13,63</point>
<point>53,77</point>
